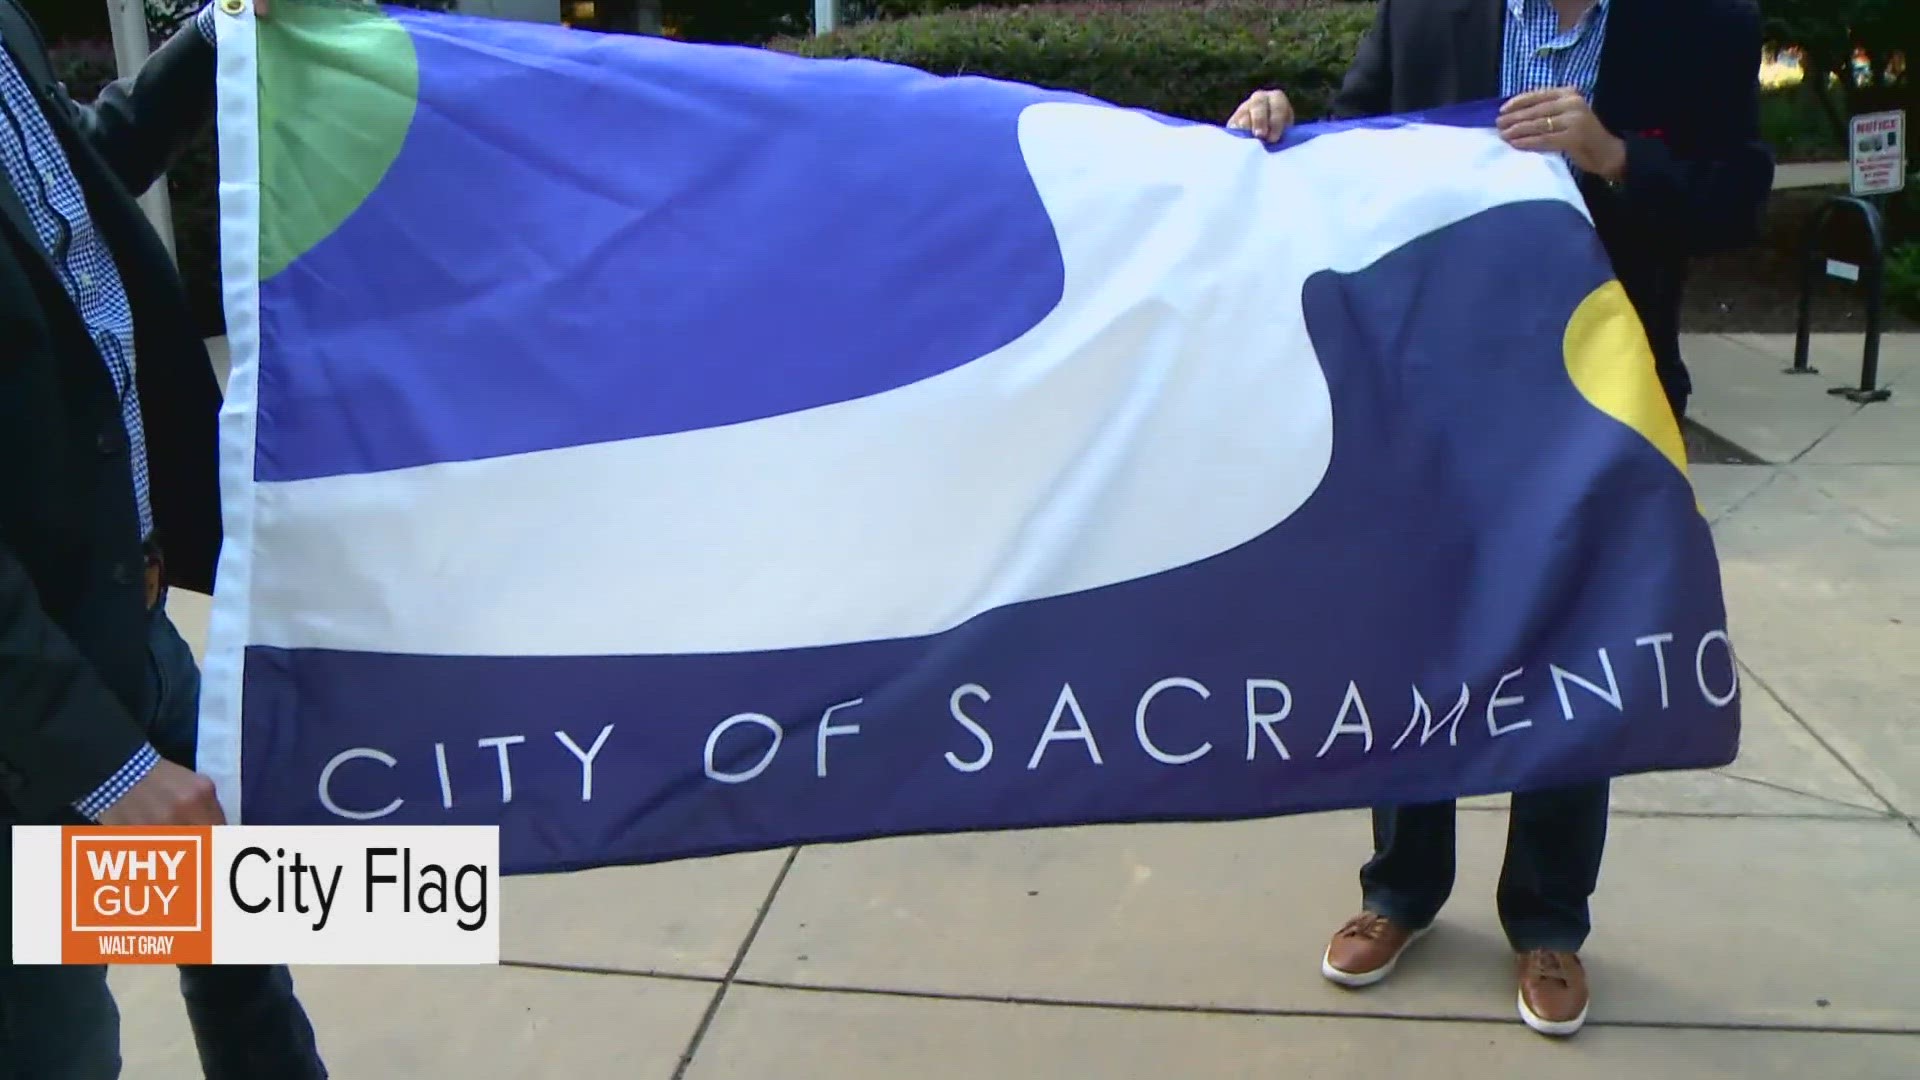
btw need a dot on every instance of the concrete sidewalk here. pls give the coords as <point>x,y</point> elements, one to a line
<point>1753,922</point>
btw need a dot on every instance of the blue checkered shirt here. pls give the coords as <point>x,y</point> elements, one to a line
<point>37,167</point>
<point>1538,56</point>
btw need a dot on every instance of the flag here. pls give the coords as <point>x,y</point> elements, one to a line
<point>660,450</point>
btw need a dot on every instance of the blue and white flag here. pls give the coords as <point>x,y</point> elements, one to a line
<point>662,450</point>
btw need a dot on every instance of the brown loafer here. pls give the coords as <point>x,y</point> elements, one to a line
<point>1366,949</point>
<point>1553,992</point>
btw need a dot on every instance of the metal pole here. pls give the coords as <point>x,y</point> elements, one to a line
<point>1870,359</point>
<point>1809,275</point>
<point>130,49</point>
<point>1876,282</point>
<point>826,16</point>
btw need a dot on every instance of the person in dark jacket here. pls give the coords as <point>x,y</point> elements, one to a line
<point>1655,106</point>
<point>108,494</point>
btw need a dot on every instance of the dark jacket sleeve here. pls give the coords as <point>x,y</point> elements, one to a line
<point>141,124</point>
<point>1713,192</point>
<point>1368,88</point>
<point>62,732</point>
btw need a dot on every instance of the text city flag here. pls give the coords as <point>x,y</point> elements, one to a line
<point>661,450</point>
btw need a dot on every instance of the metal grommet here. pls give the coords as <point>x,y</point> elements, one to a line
<point>233,7</point>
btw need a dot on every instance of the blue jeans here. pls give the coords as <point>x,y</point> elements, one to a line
<point>61,1023</point>
<point>1555,839</point>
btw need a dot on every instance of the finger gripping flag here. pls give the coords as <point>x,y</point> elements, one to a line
<point>661,450</point>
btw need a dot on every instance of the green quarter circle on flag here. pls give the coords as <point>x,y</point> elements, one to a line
<point>339,83</point>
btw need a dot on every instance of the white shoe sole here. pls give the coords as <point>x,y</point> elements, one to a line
<point>1558,1029</point>
<point>1355,980</point>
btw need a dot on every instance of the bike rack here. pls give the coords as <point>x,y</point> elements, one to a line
<point>1814,264</point>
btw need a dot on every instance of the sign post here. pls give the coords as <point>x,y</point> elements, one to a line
<point>130,48</point>
<point>826,16</point>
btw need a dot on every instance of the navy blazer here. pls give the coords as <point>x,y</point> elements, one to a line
<point>74,673</point>
<point>1679,83</point>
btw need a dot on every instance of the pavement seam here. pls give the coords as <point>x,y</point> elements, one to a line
<point>1892,810</point>
<point>1318,1014</point>
<point>1774,472</point>
<point>733,969</point>
<point>1791,790</point>
<point>1824,436</point>
<point>1862,813</point>
<point>564,968</point>
<point>1037,1001</point>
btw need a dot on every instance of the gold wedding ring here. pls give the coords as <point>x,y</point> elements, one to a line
<point>1550,127</point>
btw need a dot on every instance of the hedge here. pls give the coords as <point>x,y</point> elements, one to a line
<point>1195,60</point>
<point>1903,279</point>
<point>753,22</point>
<point>904,9</point>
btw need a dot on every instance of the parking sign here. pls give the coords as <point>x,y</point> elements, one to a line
<point>1877,150</point>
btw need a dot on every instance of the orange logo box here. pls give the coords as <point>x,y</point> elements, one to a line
<point>136,895</point>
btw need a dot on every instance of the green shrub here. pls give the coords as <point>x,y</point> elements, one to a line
<point>752,22</point>
<point>1195,60</point>
<point>84,65</point>
<point>1798,129</point>
<point>1903,279</point>
<point>905,9</point>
